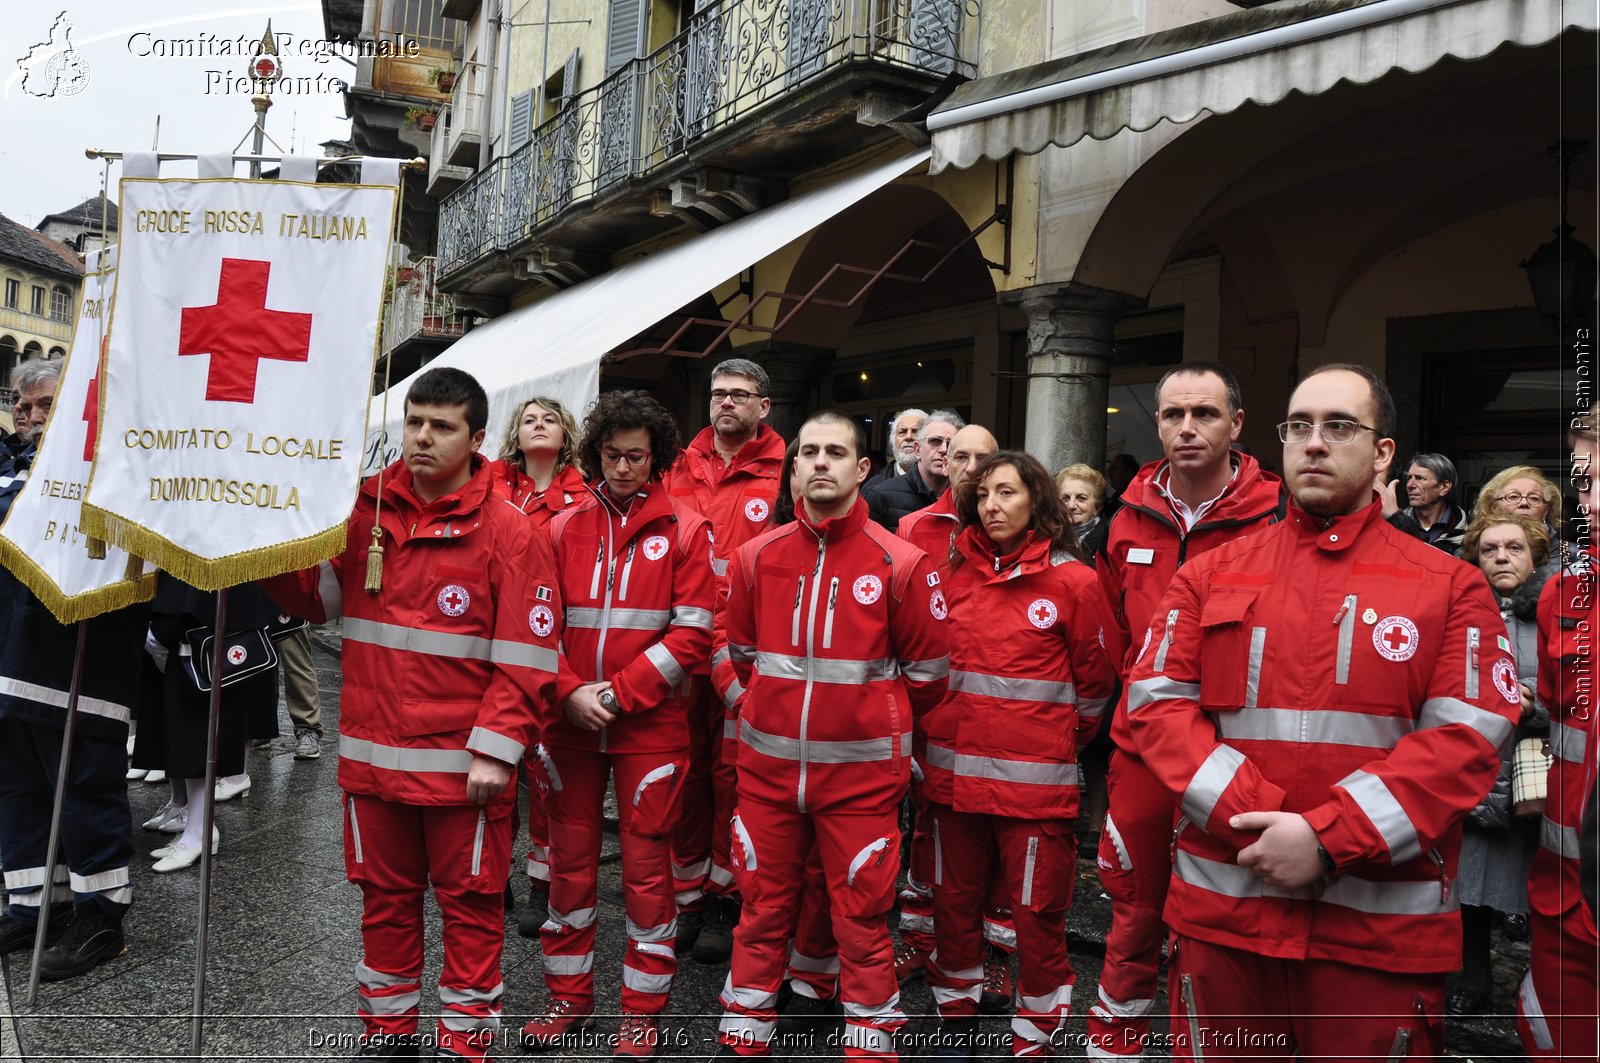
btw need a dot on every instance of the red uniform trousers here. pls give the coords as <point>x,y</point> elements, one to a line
<point>813,954</point>
<point>860,857</point>
<point>648,788</point>
<point>701,834</point>
<point>1558,1005</point>
<point>1241,1006</point>
<point>538,822</point>
<point>1135,866</point>
<point>1038,861</point>
<point>916,900</point>
<point>392,851</point>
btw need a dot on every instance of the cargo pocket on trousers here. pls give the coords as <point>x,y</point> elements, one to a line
<point>655,800</point>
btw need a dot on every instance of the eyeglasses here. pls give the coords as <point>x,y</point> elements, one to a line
<point>1337,430</point>
<point>938,442</point>
<point>1511,498</point>
<point>632,458</point>
<point>738,398</point>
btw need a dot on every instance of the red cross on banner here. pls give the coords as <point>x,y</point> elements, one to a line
<point>91,407</point>
<point>238,330</point>
<point>1397,638</point>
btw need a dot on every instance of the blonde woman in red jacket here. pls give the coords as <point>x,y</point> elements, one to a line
<point>1029,679</point>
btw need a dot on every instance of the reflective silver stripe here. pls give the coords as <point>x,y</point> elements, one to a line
<point>817,752</point>
<point>1048,691</point>
<point>851,673</point>
<point>1563,841</point>
<point>1118,844</point>
<point>576,920</point>
<point>568,965</point>
<point>1568,743</point>
<point>33,877</point>
<point>465,1022</point>
<point>445,644</point>
<point>1372,794</point>
<point>654,775</point>
<point>741,654</point>
<point>1160,661</point>
<point>722,656</point>
<point>664,932</point>
<point>690,616</point>
<point>1126,1009</point>
<point>799,961</point>
<point>867,1040</point>
<point>482,740</point>
<point>372,979</point>
<point>1346,891</point>
<point>930,671</point>
<point>57,699</point>
<point>329,591</point>
<point>1319,726</point>
<point>877,847</point>
<point>1028,865</point>
<point>469,997</point>
<point>749,999</point>
<point>1473,641</point>
<point>1159,688</point>
<point>506,651</point>
<point>549,762</point>
<point>1092,708</point>
<point>1533,1011</point>
<point>395,758</point>
<point>1206,787</point>
<point>98,882</point>
<point>730,699</point>
<point>399,1004</point>
<point>591,619</point>
<point>1049,1005</point>
<point>1033,773</point>
<point>477,843</point>
<point>719,567</point>
<point>1436,712</point>
<point>666,664</point>
<point>1252,682</point>
<point>355,828</point>
<point>1347,630</point>
<point>889,1009</point>
<point>640,982</point>
<point>938,856</point>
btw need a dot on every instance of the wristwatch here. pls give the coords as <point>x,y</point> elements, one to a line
<point>608,700</point>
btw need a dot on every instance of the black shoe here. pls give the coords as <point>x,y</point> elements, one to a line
<point>93,938</point>
<point>715,945</point>
<point>807,1015</point>
<point>531,918</point>
<point>1466,1000</point>
<point>391,1046</point>
<point>690,922</point>
<point>955,1040</point>
<point>16,935</point>
<point>1514,926</point>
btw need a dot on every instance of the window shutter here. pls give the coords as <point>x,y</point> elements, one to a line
<point>625,33</point>
<point>521,119</point>
<point>569,78</point>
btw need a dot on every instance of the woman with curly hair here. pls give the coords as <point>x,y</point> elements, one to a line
<point>635,571</point>
<point>1524,491</point>
<point>1029,680</point>
<point>538,470</point>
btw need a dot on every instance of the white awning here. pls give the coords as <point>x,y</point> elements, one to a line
<point>554,346</point>
<point>1220,64</point>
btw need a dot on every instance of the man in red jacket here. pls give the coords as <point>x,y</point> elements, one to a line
<point>1325,700</point>
<point>1559,1000</point>
<point>445,671</point>
<point>1201,495</point>
<point>836,630</point>
<point>729,473</point>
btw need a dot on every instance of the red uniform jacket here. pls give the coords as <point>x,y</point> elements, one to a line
<point>837,632</point>
<point>517,487</point>
<point>1029,679</point>
<point>1568,623</point>
<point>737,498</point>
<point>1352,674</point>
<point>1145,546</point>
<point>932,529</point>
<point>639,597</point>
<point>455,655</point>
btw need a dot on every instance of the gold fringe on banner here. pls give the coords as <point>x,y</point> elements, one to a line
<point>213,574</point>
<point>96,548</point>
<point>69,609</point>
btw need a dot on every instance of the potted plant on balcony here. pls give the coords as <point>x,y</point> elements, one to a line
<point>444,80</point>
<point>422,117</point>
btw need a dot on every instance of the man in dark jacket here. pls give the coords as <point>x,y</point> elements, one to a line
<point>923,482</point>
<point>1431,516</point>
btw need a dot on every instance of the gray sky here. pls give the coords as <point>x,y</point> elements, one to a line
<point>174,60</point>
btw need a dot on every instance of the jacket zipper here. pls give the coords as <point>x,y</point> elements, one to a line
<point>1473,638</point>
<point>1186,990</point>
<point>1346,619</point>
<point>599,566</point>
<point>1160,662</point>
<point>355,828</point>
<point>477,845</point>
<point>605,609</point>
<point>799,596</point>
<point>1028,867</point>
<point>1437,859</point>
<point>627,571</point>
<point>811,637</point>
<point>827,628</point>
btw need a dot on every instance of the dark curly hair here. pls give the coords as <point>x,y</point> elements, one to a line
<point>618,411</point>
<point>1050,520</point>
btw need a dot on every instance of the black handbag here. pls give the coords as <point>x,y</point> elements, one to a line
<point>244,654</point>
<point>283,625</point>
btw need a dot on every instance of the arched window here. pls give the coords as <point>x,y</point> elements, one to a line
<point>58,352</point>
<point>34,349</point>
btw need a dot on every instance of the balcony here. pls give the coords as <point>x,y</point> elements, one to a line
<point>751,87</point>
<point>35,325</point>
<point>418,319</point>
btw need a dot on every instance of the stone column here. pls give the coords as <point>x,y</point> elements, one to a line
<point>796,373</point>
<point>1069,369</point>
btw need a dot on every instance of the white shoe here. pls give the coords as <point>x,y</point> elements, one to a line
<point>169,849</point>
<point>181,857</point>
<point>135,774</point>
<point>156,776</point>
<point>165,818</point>
<point>228,789</point>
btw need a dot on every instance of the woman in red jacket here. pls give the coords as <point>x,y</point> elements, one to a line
<point>1029,679</point>
<point>538,470</point>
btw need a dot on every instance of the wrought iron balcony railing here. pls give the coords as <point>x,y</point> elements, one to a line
<point>734,59</point>
<point>416,306</point>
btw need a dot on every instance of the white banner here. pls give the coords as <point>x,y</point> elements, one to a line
<point>40,541</point>
<point>239,365</point>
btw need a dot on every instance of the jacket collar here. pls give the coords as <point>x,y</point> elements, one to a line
<point>1337,533</point>
<point>1252,492</point>
<point>400,493</point>
<point>1033,555</point>
<point>835,528</point>
<point>761,455</point>
<point>653,502</point>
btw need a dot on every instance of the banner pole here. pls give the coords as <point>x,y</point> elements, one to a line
<point>209,806</point>
<point>47,891</point>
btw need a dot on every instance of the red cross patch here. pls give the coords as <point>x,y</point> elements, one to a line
<point>867,589</point>
<point>1395,637</point>
<point>541,620</point>
<point>1505,680</point>
<point>757,510</point>
<point>237,655</point>
<point>655,547</point>
<point>938,606</point>
<point>1042,613</point>
<point>453,600</point>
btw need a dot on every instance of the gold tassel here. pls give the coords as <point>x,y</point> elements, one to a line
<point>96,548</point>
<point>375,562</point>
<point>135,568</point>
